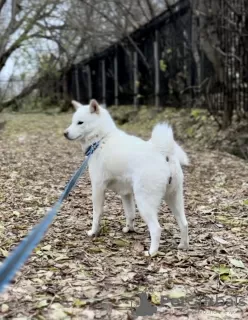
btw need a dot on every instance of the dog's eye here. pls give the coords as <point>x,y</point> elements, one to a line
<point>80,122</point>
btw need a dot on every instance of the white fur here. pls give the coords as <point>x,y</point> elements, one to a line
<point>163,139</point>
<point>134,168</point>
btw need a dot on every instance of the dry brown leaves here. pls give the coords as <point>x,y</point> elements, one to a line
<point>70,276</point>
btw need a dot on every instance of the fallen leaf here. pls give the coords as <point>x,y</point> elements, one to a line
<point>163,270</point>
<point>176,294</point>
<point>4,308</point>
<point>49,274</point>
<point>139,247</point>
<point>121,242</point>
<point>222,269</point>
<point>42,304</point>
<point>90,292</point>
<point>220,240</point>
<point>125,276</point>
<point>224,277</point>
<point>160,253</point>
<point>1,228</point>
<point>4,252</point>
<point>79,303</point>
<point>88,315</point>
<point>240,280</point>
<point>61,257</point>
<point>46,248</point>
<point>94,250</point>
<point>58,312</point>
<point>237,263</point>
<point>39,252</point>
<point>156,298</point>
<point>16,213</point>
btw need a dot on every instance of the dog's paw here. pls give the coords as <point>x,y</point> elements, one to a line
<point>183,246</point>
<point>127,229</point>
<point>92,233</point>
<point>151,255</point>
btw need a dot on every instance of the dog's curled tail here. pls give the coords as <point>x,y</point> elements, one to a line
<point>163,139</point>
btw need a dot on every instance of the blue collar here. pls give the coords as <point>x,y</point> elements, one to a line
<point>90,150</point>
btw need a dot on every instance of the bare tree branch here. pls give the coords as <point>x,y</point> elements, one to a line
<point>150,7</point>
<point>121,32</point>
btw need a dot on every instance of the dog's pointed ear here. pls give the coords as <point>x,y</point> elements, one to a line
<point>75,104</point>
<point>94,106</point>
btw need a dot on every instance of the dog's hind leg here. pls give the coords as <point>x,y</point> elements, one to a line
<point>176,203</point>
<point>148,208</point>
<point>98,196</point>
<point>129,210</point>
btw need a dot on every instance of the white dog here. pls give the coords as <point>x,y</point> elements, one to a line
<point>142,171</point>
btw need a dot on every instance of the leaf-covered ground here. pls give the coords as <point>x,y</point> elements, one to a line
<point>70,276</point>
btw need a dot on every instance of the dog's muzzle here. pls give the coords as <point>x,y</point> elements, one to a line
<point>66,134</point>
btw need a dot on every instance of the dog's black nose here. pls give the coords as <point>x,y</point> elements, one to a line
<point>66,134</point>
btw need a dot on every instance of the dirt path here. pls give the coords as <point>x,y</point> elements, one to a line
<point>70,276</point>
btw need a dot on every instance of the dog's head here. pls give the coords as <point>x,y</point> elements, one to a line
<point>84,121</point>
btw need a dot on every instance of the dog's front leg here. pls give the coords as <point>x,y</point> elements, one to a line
<point>98,195</point>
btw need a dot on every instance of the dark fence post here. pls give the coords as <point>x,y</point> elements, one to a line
<point>116,77</point>
<point>89,82</point>
<point>135,78</point>
<point>103,82</point>
<point>157,69</point>
<point>77,84</point>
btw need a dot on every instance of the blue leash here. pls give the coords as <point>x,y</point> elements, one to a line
<point>21,253</point>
